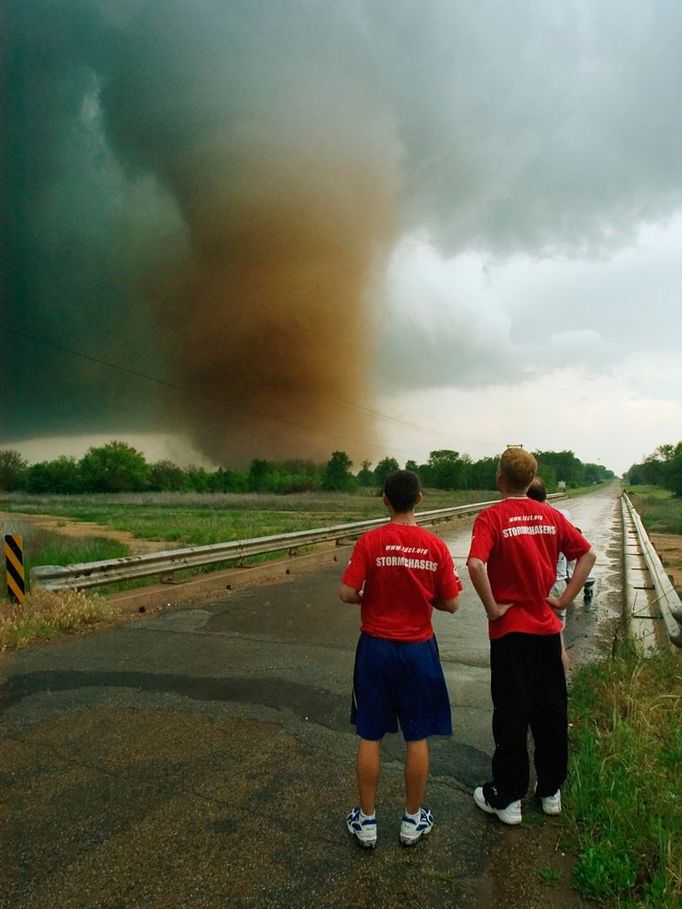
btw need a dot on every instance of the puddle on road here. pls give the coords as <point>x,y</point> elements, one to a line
<point>593,628</point>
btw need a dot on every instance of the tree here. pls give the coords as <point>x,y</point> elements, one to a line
<point>61,476</point>
<point>447,470</point>
<point>12,469</point>
<point>365,474</point>
<point>483,474</point>
<point>225,480</point>
<point>198,479</point>
<point>165,476</point>
<point>672,473</point>
<point>259,474</point>
<point>652,470</point>
<point>337,475</point>
<point>384,469</point>
<point>548,475</point>
<point>115,467</point>
<point>559,465</point>
<point>298,476</point>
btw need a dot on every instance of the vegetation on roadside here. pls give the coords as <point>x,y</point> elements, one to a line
<point>118,467</point>
<point>624,794</point>
<point>46,614</point>
<point>659,509</point>
<point>189,519</point>
<point>195,520</point>
<point>45,548</point>
<point>662,468</point>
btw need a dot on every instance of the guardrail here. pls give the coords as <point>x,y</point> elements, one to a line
<point>94,574</point>
<point>666,596</point>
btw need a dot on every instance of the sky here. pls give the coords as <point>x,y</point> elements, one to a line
<point>286,227</point>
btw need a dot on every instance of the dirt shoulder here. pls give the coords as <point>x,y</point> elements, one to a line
<point>669,548</point>
<point>81,530</point>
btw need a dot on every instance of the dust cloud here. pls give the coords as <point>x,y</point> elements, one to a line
<point>271,320</point>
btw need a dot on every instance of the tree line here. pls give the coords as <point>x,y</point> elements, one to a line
<point>118,467</point>
<point>662,467</point>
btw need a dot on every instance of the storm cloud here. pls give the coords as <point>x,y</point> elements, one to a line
<point>277,209</point>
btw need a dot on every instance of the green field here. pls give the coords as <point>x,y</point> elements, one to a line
<point>194,520</point>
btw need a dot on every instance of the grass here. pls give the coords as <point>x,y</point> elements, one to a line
<point>41,547</point>
<point>548,875</point>
<point>194,520</point>
<point>624,793</point>
<point>437,874</point>
<point>44,548</point>
<point>659,509</point>
<point>47,614</point>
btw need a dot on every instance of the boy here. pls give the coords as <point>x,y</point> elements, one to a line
<point>397,573</point>
<point>515,546</point>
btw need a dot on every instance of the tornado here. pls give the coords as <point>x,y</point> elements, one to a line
<point>260,179</point>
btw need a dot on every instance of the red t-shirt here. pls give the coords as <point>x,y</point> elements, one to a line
<point>520,539</point>
<point>404,568</point>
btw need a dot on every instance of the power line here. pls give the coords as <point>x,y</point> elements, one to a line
<point>138,374</point>
<point>85,294</point>
<point>222,401</point>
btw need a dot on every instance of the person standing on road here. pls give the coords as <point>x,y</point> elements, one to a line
<point>538,493</point>
<point>515,546</point>
<point>398,573</point>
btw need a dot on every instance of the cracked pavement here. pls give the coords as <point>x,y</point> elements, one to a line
<point>203,757</point>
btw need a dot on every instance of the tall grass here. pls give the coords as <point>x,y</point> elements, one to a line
<point>624,790</point>
<point>47,614</point>
<point>44,548</point>
<point>659,509</point>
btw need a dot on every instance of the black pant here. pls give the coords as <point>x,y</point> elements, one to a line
<point>528,687</point>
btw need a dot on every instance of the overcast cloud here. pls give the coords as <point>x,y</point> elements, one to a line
<point>477,205</point>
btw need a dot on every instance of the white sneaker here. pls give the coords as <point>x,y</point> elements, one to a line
<point>365,832</point>
<point>551,804</point>
<point>510,815</point>
<point>411,830</point>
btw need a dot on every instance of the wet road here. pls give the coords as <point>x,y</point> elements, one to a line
<point>204,758</point>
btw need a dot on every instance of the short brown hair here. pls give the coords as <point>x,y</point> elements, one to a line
<point>518,467</point>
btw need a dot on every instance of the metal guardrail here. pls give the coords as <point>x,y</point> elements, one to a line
<point>108,571</point>
<point>666,596</point>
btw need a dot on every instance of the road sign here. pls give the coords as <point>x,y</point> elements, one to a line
<point>14,562</point>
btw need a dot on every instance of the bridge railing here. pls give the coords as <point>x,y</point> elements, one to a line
<point>110,571</point>
<point>666,596</point>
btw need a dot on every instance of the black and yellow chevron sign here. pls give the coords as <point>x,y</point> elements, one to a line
<point>14,560</point>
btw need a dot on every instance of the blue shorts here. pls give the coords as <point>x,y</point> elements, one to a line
<point>399,682</point>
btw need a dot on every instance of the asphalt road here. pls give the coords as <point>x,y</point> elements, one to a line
<point>203,758</point>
